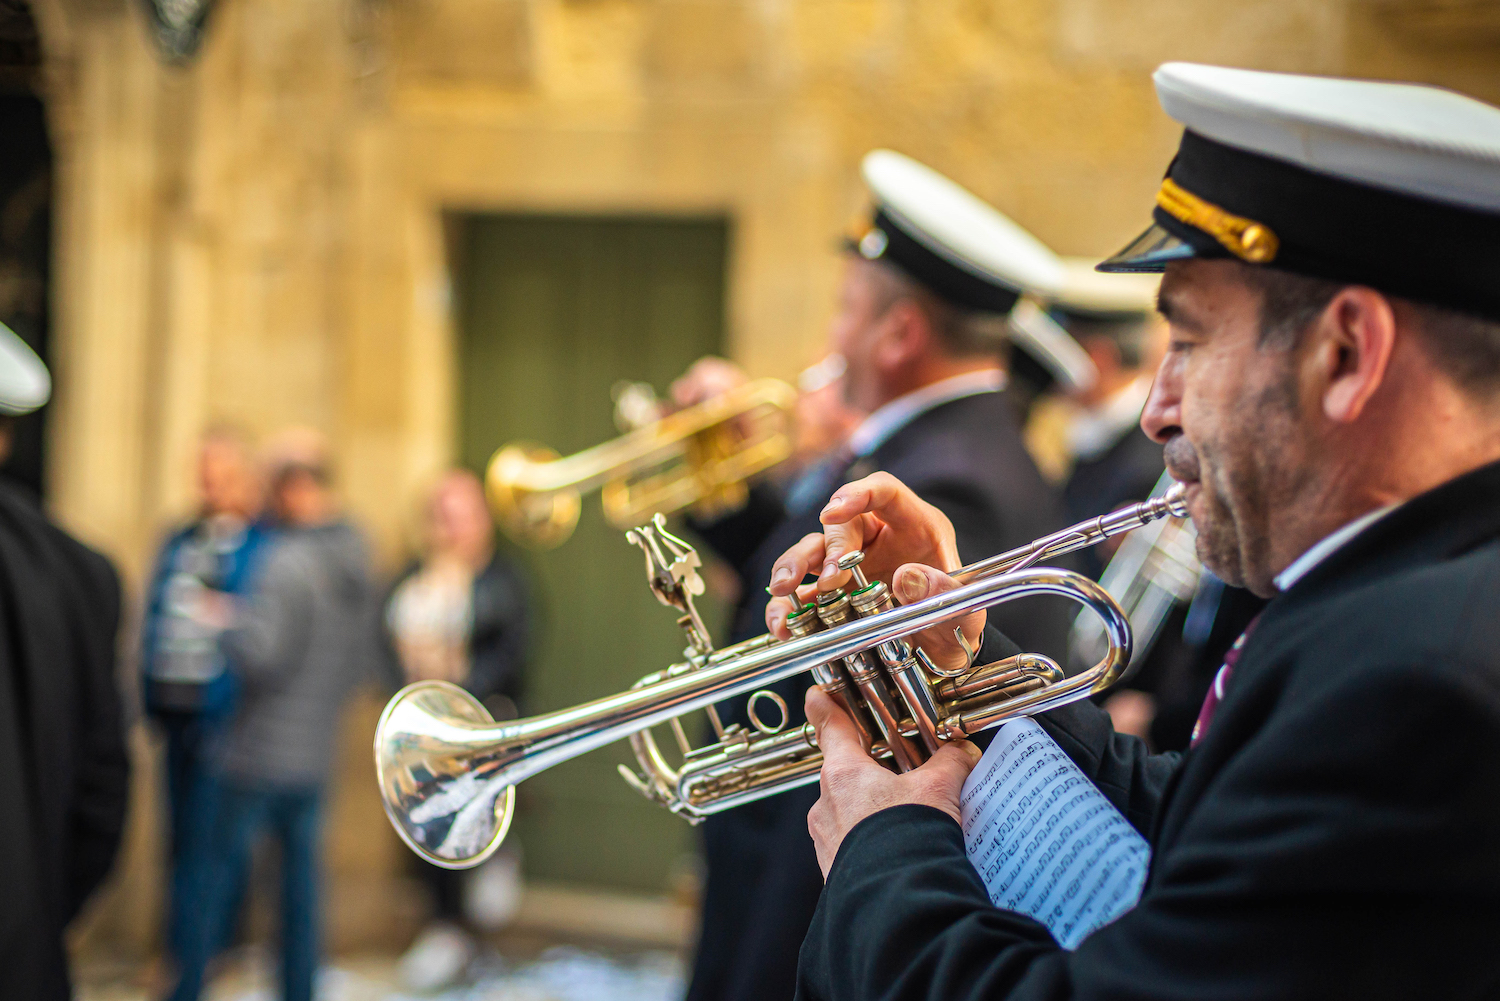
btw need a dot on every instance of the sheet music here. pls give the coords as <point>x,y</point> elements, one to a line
<point>1044,839</point>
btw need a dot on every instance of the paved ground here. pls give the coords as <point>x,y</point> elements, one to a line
<point>509,972</point>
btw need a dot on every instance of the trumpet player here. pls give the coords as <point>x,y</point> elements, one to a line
<point>1331,398</point>
<point>920,327</point>
<point>1114,463</point>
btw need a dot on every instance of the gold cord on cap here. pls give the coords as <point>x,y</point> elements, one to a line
<point>1244,238</point>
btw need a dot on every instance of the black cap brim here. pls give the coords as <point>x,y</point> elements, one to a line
<point>1149,253</point>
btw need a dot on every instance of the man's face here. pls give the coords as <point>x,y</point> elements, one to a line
<point>862,304</point>
<point>301,500</point>
<point>459,520</point>
<point>224,478</point>
<point>1226,410</point>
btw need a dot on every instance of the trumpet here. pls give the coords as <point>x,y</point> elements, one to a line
<point>448,773</point>
<point>699,457</point>
<point>1153,571</point>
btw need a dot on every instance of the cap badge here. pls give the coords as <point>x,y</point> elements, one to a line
<point>873,243</point>
<point>1244,238</point>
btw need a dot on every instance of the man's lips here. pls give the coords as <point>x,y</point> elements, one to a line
<point>1181,459</point>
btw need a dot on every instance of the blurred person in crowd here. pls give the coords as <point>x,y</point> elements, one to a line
<point>296,646</point>
<point>459,614</point>
<point>189,686</point>
<point>1107,461</point>
<point>1113,318</point>
<point>921,333</point>
<point>64,773</point>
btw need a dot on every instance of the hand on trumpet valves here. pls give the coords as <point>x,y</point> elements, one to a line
<point>907,542</point>
<point>853,786</point>
<point>705,379</point>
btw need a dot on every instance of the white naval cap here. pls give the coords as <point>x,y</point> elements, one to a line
<point>962,248</point>
<point>1391,185</point>
<point>1415,139</point>
<point>967,253</point>
<point>25,383</point>
<point>1090,293</point>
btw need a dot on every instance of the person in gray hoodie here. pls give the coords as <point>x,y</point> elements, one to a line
<point>297,645</point>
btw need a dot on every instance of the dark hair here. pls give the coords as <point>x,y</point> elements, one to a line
<point>1464,347</point>
<point>959,331</point>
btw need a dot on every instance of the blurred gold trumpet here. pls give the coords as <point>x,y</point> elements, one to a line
<point>696,458</point>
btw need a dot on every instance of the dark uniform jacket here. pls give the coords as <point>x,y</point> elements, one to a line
<point>63,769</point>
<point>965,457</point>
<point>1335,834</point>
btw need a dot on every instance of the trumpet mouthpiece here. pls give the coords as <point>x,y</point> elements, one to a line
<point>1175,500</point>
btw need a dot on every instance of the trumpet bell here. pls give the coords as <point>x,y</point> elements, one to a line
<point>543,518</point>
<point>446,805</point>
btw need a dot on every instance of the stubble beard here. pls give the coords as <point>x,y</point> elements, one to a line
<point>1218,545</point>
<point>1244,477</point>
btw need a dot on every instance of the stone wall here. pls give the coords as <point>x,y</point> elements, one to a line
<point>259,236</point>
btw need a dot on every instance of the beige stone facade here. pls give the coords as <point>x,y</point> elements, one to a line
<point>259,236</point>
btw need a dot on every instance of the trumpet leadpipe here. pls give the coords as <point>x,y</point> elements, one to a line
<point>1172,504</point>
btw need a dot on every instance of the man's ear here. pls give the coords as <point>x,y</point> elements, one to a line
<point>905,335</point>
<point>1351,350</point>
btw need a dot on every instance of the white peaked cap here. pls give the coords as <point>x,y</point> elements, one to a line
<point>958,226</point>
<point>1391,185</point>
<point>25,383</point>
<point>1406,137</point>
<point>969,254</point>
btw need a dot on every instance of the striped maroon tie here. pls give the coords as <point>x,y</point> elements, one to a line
<point>1220,686</point>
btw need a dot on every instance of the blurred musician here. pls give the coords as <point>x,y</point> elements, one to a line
<point>63,763</point>
<point>1113,318</point>
<point>919,327</point>
<point>1331,397</point>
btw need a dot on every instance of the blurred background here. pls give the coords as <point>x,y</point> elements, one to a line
<point>430,227</point>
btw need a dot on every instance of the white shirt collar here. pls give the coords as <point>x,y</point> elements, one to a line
<point>1095,430</point>
<point>877,428</point>
<point>1326,548</point>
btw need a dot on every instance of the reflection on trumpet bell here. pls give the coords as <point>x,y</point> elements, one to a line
<point>696,458</point>
<point>425,738</point>
<point>447,773</point>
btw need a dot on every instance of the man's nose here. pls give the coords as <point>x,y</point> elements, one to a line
<point>1162,415</point>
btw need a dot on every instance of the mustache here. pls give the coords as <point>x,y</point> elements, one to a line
<point>1181,458</point>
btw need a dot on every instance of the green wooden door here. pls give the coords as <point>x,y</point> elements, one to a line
<point>553,311</point>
